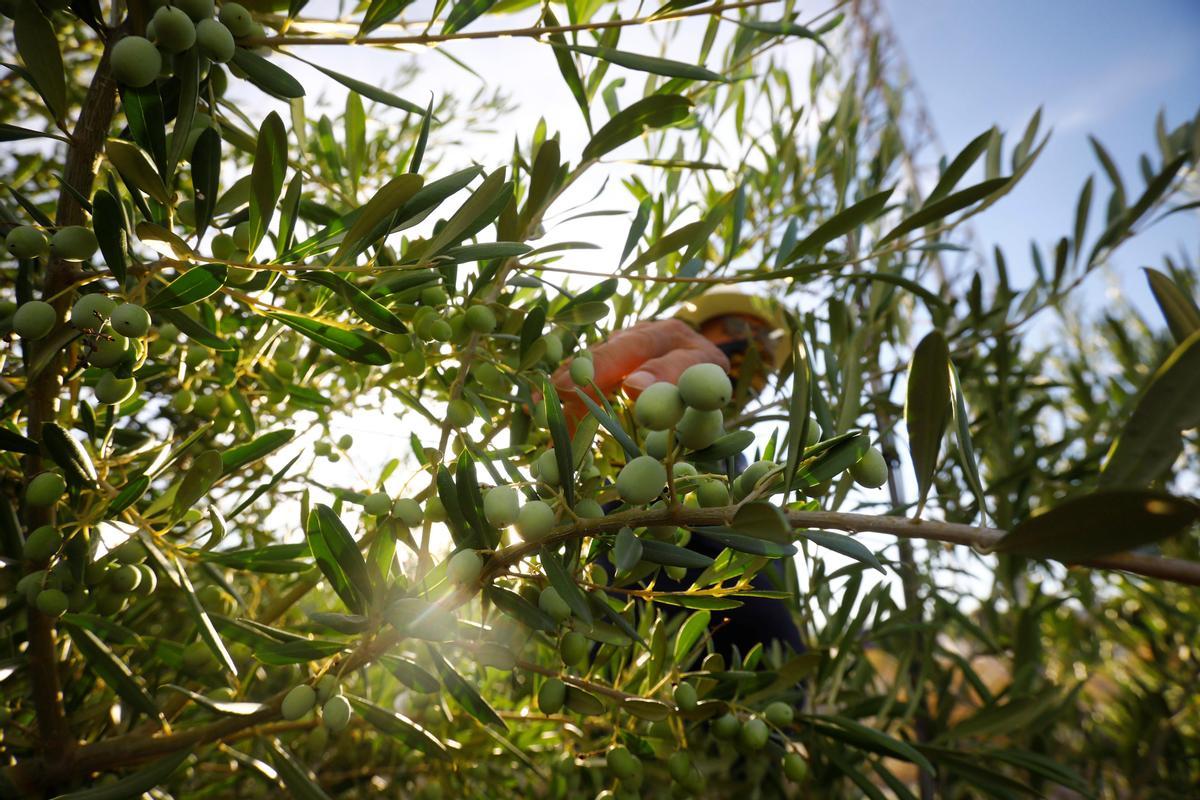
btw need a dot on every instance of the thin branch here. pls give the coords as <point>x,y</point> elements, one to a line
<point>534,32</point>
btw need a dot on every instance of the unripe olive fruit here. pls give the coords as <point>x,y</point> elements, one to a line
<point>241,235</point>
<point>711,493</point>
<point>685,696</point>
<point>656,444</point>
<point>754,734</point>
<point>622,763</point>
<point>551,695</point>
<point>871,470</point>
<point>705,387</point>
<point>464,567</point>
<point>573,648</point>
<point>52,602</point>
<point>112,390</point>
<point>460,413</point>
<point>110,351</point>
<point>206,405</point>
<point>237,19</point>
<point>795,767</point>
<point>130,551</point>
<point>588,508</point>
<point>136,61</point>
<point>583,371</point>
<point>223,246</point>
<point>727,727</point>
<point>779,714</point>
<point>435,510</point>
<point>434,296</point>
<point>91,311</point>
<point>183,400</point>
<point>27,241</point>
<point>547,467</point>
<point>378,504</point>
<point>659,407</point>
<point>42,544</point>
<point>215,40</point>
<point>125,578</point>
<point>197,656</point>
<point>345,441</point>
<point>130,319</point>
<point>490,377</point>
<point>335,714</point>
<point>501,506</point>
<point>174,30</point>
<point>682,469</point>
<point>298,702</point>
<point>641,480</point>
<point>554,348</point>
<point>750,478</point>
<point>408,512</point>
<point>149,581</point>
<point>552,603</point>
<point>327,687</point>
<point>535,520</point>
<point>812,434</point>
<point>73,243</point>
<point>197,10</point>
<point>45,489</point>
<point>480,319</point>
<point>698,429</point>
<point>679,764</point>
<point>34,319</point>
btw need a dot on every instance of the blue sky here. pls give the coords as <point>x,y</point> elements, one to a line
<point>1104,67</point>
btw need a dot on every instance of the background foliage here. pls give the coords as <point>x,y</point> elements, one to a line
<point>960,673</point>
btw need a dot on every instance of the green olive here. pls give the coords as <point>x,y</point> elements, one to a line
<point>235,17</point>
<point>779,714</point>
<point>587,508</point>
<point>74,243</point>
<point>749,478</point>
<point>298,702</point>
<point>641,480</point>
<point>460,413</point>
<point>408,512</point>
<point>130,319</point>
<point>464,568</point>
<point>712,493</point>
<point>45,489</point>
<point>112,390</point>
<point>335,714</point>
<point>223,246</point>
<point>215,40</point>
<point>795,767</point>
<point>130,551</point>
<point>197,657</point>
<point>582,371</point>
<point>42,543</point>
<point>546,467</point>
<point>378,504</point>
<point>551,695</point>
<point>698,429</point>
<point>136,61</point>
<point>110,350</point>
<point>26,241</point>
<point>501,506</point>
<point>52,602</point>
<point>174,30</point>
<point>659,407</point>
<point>656,443</point>
<point>871,470</point>
<point>125,578</point>
<point>554,348</point>
<point>727,727</point>
<point>91,311</point>
<point>552,603</point>
<point>754,734</point>
<point>33,320</point>
<point>435,510</point>
<point>197,10</point>
<point>535,520</point>
<point>573,648</point>
<point>480,319</point>
<point>622,763</point>
<point>685,696</point>
<point>705,387</point>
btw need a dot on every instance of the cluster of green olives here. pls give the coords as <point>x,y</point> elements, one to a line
<point>69,242</point>
<point>138,61</point>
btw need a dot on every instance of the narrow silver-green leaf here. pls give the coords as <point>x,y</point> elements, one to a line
<point>927,408</point>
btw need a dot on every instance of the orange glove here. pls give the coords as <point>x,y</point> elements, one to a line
<point>635,358</point>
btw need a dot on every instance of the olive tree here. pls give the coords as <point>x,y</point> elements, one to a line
<point>205,594</point>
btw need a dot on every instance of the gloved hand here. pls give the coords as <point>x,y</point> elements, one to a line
<point>634,358</point>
